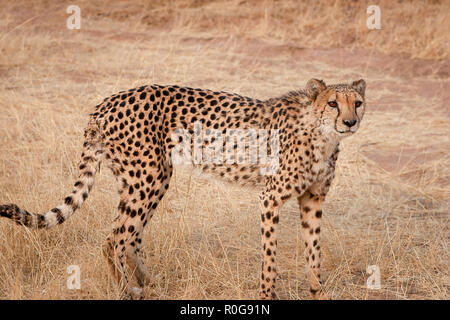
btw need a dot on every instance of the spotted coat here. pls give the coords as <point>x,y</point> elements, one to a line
<point>135,132</point>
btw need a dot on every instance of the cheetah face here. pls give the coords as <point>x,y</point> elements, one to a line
<point>341,107</point>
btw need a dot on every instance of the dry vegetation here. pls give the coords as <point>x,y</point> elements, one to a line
<point>388,206</point>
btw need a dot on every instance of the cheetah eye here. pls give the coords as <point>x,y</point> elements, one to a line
<point>333,104</point>
<point>358,104</point>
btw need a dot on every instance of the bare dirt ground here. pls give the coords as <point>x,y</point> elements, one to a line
<point>388,206</point>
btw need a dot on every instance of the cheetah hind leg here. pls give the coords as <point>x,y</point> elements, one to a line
<point>124,262</point>
<point>134,259</point>
<point>140,271</point>
<point>123,246</point>
<point>108,253</point>
<point>118,270</point>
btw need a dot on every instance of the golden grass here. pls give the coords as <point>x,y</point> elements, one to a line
<point>389,203</point>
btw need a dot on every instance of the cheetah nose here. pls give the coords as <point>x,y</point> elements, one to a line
<point>349,123</point>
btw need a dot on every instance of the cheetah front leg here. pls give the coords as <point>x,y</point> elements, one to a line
<point>271,206</point>
<point>310,216</point>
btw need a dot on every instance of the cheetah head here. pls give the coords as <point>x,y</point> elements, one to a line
<point>340,107</point>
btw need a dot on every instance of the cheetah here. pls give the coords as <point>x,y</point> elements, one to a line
<point>137,132</point>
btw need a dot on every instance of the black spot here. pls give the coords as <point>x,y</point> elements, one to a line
<point>59,216</point>
<point>68,200</point>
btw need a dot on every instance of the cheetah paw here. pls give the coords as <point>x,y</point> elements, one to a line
<point>136,293</point>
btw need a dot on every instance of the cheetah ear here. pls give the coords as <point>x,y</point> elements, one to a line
<point>314,87</point>
<point>360,86</point>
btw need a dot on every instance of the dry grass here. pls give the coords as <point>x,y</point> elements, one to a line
<point>388,206</point>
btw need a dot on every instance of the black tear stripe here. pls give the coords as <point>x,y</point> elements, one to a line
<point>335,120</point>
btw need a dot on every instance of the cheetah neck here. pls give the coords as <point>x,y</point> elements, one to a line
<point>323,138</point>
<point>304,121</point>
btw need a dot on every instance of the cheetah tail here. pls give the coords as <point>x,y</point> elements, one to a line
<point>90,163</point>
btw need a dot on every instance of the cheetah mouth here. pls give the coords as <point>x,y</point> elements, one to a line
<point>346,132</point>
